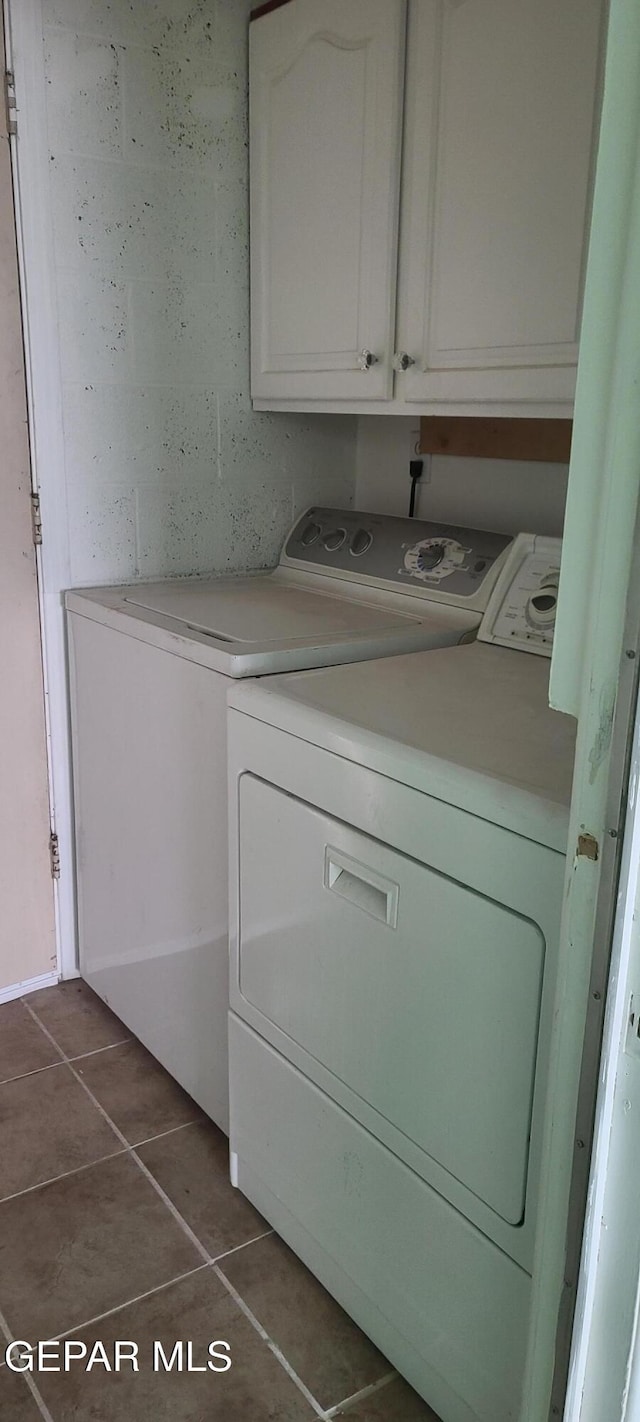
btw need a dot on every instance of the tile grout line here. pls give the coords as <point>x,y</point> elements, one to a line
<point>237,1247</point>
<point>45,1030</point>
<point>66,1174</point>
<point>35,1392</point>
<point>148,1293</point>
<point>37,1071</point>
<point>138,1298</point>
<point>129,1149</point>
<point>95,1051</point>
<point>172,1131</point>
<point>186,1228</point>
<point>362,1394</point>
<point>88,1164</point>
<point>277,1352</point>
<point>173,1209</point>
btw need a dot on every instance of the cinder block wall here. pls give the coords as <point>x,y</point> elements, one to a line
<point>167,468</point>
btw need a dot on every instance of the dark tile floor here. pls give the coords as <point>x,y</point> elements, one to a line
<point>118,1222</point>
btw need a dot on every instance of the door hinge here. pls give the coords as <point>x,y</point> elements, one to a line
<point>54,855</point>
<point>36,520</point>
<point>10,105</point>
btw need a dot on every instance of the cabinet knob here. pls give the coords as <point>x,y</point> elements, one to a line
<point>366,359</point>
<point>402,361</point>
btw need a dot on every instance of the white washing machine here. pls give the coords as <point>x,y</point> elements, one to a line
<point>398,835</point>
<point>150,666</point>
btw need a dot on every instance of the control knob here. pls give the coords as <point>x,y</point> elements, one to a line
<point>435,558</point>
<point>430,556</point>
<point>542,605</point>
<point>310,532</point>
<point>541,609</point>
<point>334,539</point>
<point>360,542</point>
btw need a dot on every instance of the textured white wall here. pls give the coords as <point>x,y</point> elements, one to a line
<point>167,468</point>
<point>502,494</point>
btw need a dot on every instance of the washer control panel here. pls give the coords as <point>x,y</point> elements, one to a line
<point>449,563</point>
<point>522,608</point>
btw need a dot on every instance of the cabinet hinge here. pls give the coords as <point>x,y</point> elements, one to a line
<point>36,520</point>
<point>10,105</point>
<point>54,855</point>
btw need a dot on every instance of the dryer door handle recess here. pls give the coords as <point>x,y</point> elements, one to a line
<point>361,885</point>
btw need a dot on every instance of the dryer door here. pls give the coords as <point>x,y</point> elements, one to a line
<point>420,994</point>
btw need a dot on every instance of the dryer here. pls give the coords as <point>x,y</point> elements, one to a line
<point>150,665</point>
<point>398,836</point>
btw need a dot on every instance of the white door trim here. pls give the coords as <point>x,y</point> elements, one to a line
<point>30,158</point>
<point>603,497</point>
<point>605,1364</point>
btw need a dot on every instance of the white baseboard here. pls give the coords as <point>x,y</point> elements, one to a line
<point>8,994</point>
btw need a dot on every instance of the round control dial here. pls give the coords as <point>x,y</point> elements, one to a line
<point>434,558</point>
<point>334,539</point>
<point>430,556</point>
<point>541,607</point>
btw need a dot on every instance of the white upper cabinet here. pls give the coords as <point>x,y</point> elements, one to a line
<point>500,120</point>
<point>325,134</point>
<point>481,313</point>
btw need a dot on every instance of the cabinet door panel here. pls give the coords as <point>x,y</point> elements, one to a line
<point>326,95</point>
<point>498,152</point>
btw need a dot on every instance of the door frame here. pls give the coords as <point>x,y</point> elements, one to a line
<point>30,165</point>
<point>589,646</point>
<point>25,534</point>
<point>594,673</point>
<point>579,1300</point>
<point>604,1367</point>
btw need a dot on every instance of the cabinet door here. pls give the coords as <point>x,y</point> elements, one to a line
<point>499,137</point>
<point>326,83</point>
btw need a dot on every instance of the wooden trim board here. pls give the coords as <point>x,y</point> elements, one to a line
<point>482,438</point>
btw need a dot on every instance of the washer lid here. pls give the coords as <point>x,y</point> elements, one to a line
<point>262,609</point>
<point>271,622</point>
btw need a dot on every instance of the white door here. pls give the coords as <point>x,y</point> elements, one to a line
<point>27,937</point>
<point>325,132</point>
<point>501,105</point>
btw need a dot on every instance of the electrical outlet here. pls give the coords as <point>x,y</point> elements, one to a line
<point>425,477</point>
<point>632,1042</point>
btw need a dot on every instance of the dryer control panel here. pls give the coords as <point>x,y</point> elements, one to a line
<point>522,608</point>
